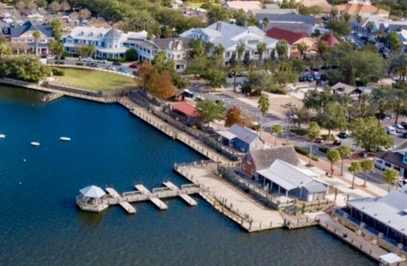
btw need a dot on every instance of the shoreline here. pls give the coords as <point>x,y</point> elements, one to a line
<point>165,128</point>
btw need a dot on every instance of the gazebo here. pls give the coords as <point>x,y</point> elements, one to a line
<point>92,198</point>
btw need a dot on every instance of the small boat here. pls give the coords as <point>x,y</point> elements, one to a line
<point>65,138</point>
<point>2,136</point>
<point>35,143</point>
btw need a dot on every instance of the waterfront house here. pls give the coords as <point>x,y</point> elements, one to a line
<point>241,138</point>
<point>108,41</point>
<point>185,111</point>
<point>259,159</point>
<point>230,35</point>
<point>175,49</point>
<point>395,159</point>
<point>386,215</point>
<point>283,177</point>
<point>22,39</point>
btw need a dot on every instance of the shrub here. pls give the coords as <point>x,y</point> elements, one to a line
<point>299,132</point>
<point>57,72</point>
<point>79,63</point>
<point>305,152</point>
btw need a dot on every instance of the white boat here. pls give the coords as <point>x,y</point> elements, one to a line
<point>35,143</point>
<point>2,136</point>
<point>65,138</point>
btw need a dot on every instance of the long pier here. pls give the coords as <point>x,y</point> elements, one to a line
<point>143,194</point>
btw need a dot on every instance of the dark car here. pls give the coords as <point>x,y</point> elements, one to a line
<point>319,140</point>
<point>404,135</point>
<point>343,135</point>
<point>116,63</point>
<point>62,58</point>
<point>337,142</point>
<point>134,65</point>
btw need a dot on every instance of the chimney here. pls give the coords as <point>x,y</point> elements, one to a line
<point>218,26</point>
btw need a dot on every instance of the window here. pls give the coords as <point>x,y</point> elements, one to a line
<point>387,164</point>
<point>178,56</point>
<point>254,42</point>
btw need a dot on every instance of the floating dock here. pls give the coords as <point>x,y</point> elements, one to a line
<point>153,198</point>
<point>127,206</point>
<point>35,143</point>
<point>188,199</point>
<point>65,139</point>
<point>2,136</point>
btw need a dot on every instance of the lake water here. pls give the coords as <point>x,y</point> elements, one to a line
<point>40,224</point>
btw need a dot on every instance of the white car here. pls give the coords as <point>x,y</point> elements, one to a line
<point>87,59</point>
<point>110,68</point>
<point>102,61</point>
<point>391,130</point>
<point>399,128</point>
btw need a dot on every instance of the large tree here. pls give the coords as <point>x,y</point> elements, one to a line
<point>57,48</point>
<point>233,116</point>
<point>240,50</point>
<point>36,36</point>
<point>333,117</point>
<point>313,132</point>
<point>381,100</point>
<point>398,66</point>
<point>394,42</point>
<point>369,135</point>
<point>302,48</point>
<point>261,49</point>
<point>210,110</point>
<point>276,130</point>
<point>282,48</point>
<point>24,67</point>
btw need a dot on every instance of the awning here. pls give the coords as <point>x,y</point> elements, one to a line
<point>92,192</point>
<point>226,134</point>
<point>390,258</point>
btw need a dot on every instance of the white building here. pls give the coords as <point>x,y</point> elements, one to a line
<point>230,35</point>
<point>108,42</point>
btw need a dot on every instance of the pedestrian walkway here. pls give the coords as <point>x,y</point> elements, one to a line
<point>230,200</point>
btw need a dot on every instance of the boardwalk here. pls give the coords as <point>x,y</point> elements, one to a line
<point>153,198</point>
<point>172,132</point>
<point>182,194</point>
<point>230,200</point>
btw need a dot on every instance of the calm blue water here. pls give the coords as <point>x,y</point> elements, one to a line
<point>40,224</point>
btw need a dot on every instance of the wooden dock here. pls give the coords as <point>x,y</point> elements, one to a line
<point>127,206</point>
<point>182,194</point>
<point>153,198</point>
<point>112,192</point>
<point>51,97</point>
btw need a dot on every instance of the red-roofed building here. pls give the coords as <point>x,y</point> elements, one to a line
<point>281,34</point>
<point>330,39</point>
<point>185,111</point>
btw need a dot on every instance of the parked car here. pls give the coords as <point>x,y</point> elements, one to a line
<point>391,130</point>
<point>404,135</point>
<point>62,58</point>
<point>319,140</point>
<point>404,124</point>
<point>116,63</point>
<point>122,70</point>
<point>343,135</point>
<point>134,65</point>
<point>399,128</point>
<point>91,64</point>
<point>87,59</point>
<point>102,61</point>
<point>110,68</point>
<point>337,142</point>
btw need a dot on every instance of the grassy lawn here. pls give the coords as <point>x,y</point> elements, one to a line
<point>95,80</point>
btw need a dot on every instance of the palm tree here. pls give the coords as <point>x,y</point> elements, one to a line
<point>334,12</point>
<point>322,47</point>
<point>302,47</point>
<point>261,48</point>
<point>282,48</point>
<point>333,156</point>
<point>399,96</point>
<point>344,152</point>
<point>354,168</point>
<point>398,66</point>
<point>358,18</point>
<point>263,104</point>
<point>240,49</point>
<point>276,130</point>
<point>390,176</point>
<point>381,98</point>
<point>367,166</point>
<point>235,68</point>
<point>5,49</point>
<point>265,22</point>
<point>91,50</point>
<point>36,36</point>
<point>313,132</point>
<point>346,17</point>
<point>219,50</point>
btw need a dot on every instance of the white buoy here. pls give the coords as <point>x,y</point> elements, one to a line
<point>35,143</point>
<point>65,138</point>
<point>19,183</point>
<point>24,160</point>
<point>2,136</point>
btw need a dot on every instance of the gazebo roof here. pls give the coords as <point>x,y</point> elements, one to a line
<point>92,192</point>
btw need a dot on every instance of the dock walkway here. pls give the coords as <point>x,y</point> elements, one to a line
<point>153,198</point>
<point>230,200</point>
<point>182,194</point>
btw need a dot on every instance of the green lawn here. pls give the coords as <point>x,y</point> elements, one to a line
<point>95,80</point>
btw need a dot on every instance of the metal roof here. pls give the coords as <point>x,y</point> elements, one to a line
<point>388,210</point>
